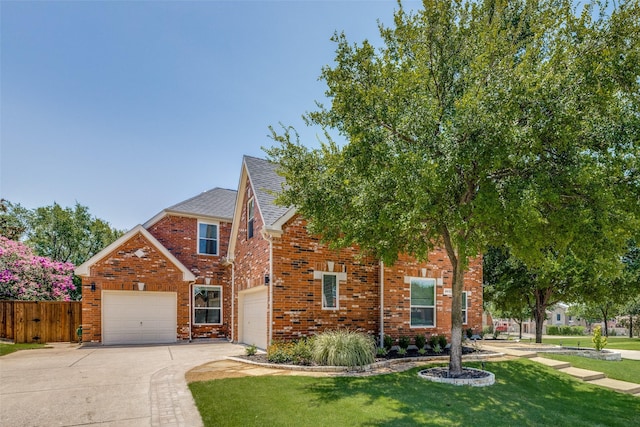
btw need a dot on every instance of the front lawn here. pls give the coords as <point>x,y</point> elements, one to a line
<point>6,348</point>
<point>624,370</point>
<point>621,343</point>
<point>525,394</point>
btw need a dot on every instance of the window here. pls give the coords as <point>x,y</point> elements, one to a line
<point>207,239</point>
<point>329,291</point>
<point>423,302</point>
<point>250,218</point>
<point>207,305</point>
<point>557,317</point>
<point>464,308</point>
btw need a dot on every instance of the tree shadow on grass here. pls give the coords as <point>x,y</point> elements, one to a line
<point>525,393</point>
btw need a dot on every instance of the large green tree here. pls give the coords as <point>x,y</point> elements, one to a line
<point>476,122</point>
<point>68,234</point>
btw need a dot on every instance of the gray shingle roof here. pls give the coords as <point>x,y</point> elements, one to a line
<point>216,203</point>
<point>265,181</point>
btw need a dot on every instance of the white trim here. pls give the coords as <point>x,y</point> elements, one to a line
<point>237,213</point>
<point>84,268</point>
<point>276,227</point>
<point>217,224</point>
<point>193,296</point>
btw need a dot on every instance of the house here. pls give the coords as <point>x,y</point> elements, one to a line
<point>269,279</point>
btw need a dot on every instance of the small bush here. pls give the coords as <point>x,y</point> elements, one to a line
<point>487,330</point>
<point>402,351</point>
<point>469,332</point>
<point>251,350</point>
<point>420,341</point>
<point>422,351</point>
<point>599,342</point>
<point>565,330</point>
<point>404,341</point>
<point>438,340</point>
<point>297,353</point>
<point>381,352</point>
<point>388,342</point>
<point>343,348</point>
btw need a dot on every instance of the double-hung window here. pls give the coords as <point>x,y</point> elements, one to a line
<point>207,305</point>
<point>423,302</point>
<point>250,217</point>
<point>329,291</point>
<point>464,308</point>
<point>207,238</point>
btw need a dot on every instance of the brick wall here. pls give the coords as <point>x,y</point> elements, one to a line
<point>180,236</point>
<point>251,255</point>
<point>122,269</point>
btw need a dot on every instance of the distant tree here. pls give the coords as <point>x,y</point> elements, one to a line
<point>476,122</point>
<point>25,276</point>
<point>68,234</point>
<point>13,220</point>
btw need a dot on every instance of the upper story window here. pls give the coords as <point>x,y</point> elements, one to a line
<point>250,217</point>
<point>423,302</point>
<point>207,238</point>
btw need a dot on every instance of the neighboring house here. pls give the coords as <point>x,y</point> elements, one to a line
<point>269,279</point>
<point>557,315</point>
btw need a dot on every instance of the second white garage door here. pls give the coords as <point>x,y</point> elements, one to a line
<point>254,318</point>
<point>138,317</point>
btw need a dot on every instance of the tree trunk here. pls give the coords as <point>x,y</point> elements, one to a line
<point>455,355</point>
<point>606,324</point>
<point>631,326</point>
<point>455,359</point>
<point>520,327</point>
<point>539,318</point>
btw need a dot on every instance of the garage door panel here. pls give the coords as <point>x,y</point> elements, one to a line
<point>254,321</point>
<point>139,317</point>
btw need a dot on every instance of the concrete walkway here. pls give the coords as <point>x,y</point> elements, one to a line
<point>592,377</point>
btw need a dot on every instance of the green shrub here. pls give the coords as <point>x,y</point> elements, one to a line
<point>487,330</point>
<point>381,352</point>
<point>388,342</point>
<point>565,330</point>
<point>404,341</point>
<point>280,352</point>
<point>251,350</point>
<point>297,353</point>
<point>599,342</point>
<point>438,340</point>
<point>420,341</point>
<point>343,348</point>
<point>469,332</point>
<point>402,351</point>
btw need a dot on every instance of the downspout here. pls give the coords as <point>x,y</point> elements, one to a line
<point>190,308</point>
<point>271,282</point>
<point>233,300</point>
<point>381,304</point>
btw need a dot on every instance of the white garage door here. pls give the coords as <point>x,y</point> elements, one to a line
<point>138,317</point>
<point>254,318</point>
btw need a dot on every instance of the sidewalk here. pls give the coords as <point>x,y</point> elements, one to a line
<point>519,349</point>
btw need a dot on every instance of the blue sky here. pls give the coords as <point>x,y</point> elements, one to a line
<point>129,107</point>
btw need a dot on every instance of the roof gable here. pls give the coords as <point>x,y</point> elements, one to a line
<point>266,182</point>
<point>84,268</point>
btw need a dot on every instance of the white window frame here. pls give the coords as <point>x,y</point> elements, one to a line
<point>217,238</point>
<point>251,217</point>
<point>432,307</point>
<point>337,294</point>
<point>465,307</point>
<point>193,299</point>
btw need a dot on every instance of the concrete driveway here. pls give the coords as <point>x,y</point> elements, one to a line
<point>69,385</point>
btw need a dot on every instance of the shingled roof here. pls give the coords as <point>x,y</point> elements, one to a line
<point>265,182</point>
<point>216,203</point>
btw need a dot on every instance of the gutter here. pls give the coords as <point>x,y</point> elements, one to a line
<point>381,304</point>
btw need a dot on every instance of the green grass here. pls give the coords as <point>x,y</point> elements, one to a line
<point>10,348</point>
<point>620,343</point>
<point>624,370</point>
<point>525,394</point>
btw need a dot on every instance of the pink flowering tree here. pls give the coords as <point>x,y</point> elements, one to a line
<point>25,276</point>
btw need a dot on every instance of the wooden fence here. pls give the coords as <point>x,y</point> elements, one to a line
<point>40,321</point>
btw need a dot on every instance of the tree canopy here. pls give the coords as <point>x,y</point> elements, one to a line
<point>477,123</point>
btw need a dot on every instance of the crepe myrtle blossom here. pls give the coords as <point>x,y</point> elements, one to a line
<point>26,276</point>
